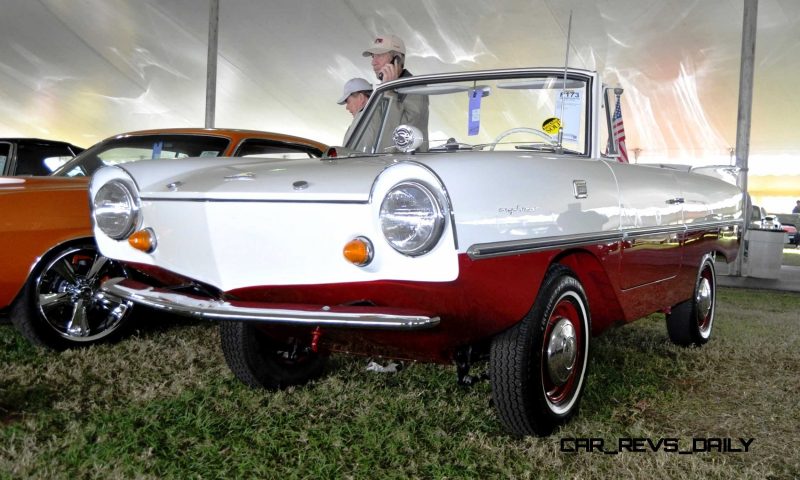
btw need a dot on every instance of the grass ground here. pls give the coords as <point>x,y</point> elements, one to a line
<point>791,256</point>
<point>163,405</point>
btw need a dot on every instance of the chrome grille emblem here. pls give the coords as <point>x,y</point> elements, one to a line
<point>240,176</point>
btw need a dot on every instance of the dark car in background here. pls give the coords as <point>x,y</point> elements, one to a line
<point>34,156</point>
<point>789,223</point>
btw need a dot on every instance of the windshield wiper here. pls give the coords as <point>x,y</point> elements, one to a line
<point>541,147</point>
<point>452,147</point>
<point>544,147</point>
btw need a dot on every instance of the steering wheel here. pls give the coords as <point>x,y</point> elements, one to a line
<point>548,139</point>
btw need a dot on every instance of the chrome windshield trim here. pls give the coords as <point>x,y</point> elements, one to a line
<point>213,309</point>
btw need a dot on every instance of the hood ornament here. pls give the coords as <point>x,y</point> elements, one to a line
<point>300,185</point>
<point>240,176</point>
<point>173,187</point>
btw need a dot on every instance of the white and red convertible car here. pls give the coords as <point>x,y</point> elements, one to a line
<point>470,216</point>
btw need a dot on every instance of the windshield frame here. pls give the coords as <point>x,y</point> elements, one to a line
<point>591,139</point>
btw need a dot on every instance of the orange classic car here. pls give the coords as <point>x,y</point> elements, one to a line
<point>50,269</point>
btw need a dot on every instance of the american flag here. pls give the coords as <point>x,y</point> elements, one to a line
<point>618,134</point>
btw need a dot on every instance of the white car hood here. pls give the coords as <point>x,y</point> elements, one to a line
<point>347,179</point>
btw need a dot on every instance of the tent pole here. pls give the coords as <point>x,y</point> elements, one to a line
<point>211,64</point>
<point>743,120</point>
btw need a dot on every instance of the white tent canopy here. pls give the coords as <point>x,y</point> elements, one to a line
<point>86,69</point>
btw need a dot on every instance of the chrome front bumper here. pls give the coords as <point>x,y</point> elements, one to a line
<point>282,314</point>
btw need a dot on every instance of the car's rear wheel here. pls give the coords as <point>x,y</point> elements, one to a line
<point>61,306</point>
<point>261,361</point>
<point>538,367</point>
<point>690,322</point>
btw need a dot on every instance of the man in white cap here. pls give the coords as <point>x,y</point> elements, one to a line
<point>388,53</point>
<point>354,97</point>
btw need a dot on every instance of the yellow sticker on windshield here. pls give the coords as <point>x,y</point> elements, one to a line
<point>551,125</point>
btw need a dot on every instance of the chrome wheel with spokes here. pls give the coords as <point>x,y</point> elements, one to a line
<point>61,305</point>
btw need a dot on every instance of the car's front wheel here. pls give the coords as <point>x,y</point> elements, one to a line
<point>61,306</point>
<point>690,322</point>
<point>261,361</point>
<point>538,367</point>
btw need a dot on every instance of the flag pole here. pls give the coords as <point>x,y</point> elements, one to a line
<point>618,128</point>
<point>211,64</point>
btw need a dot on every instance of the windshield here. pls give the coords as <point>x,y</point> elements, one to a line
<point>492,112</point>
<point>142,147</point>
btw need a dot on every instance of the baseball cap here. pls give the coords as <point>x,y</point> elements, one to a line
<point>385,43</point>
<point>352,86</point>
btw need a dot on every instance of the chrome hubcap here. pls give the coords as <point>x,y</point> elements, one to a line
<point>703,298</point>
<point>561,352</point>
<point>69,299</point>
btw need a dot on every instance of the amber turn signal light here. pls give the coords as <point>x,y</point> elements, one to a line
<point>144,240</point>
<point>358,251</point>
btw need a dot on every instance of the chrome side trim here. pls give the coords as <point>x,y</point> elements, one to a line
<point>212,309</point>
<point>514,247</point>
<point>688,227</point>
<point>722,224</point>
<point>647,231</point>
<point>250,200</point>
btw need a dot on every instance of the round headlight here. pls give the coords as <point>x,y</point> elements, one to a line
<point>411,219</point>
<point>116,209</point>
